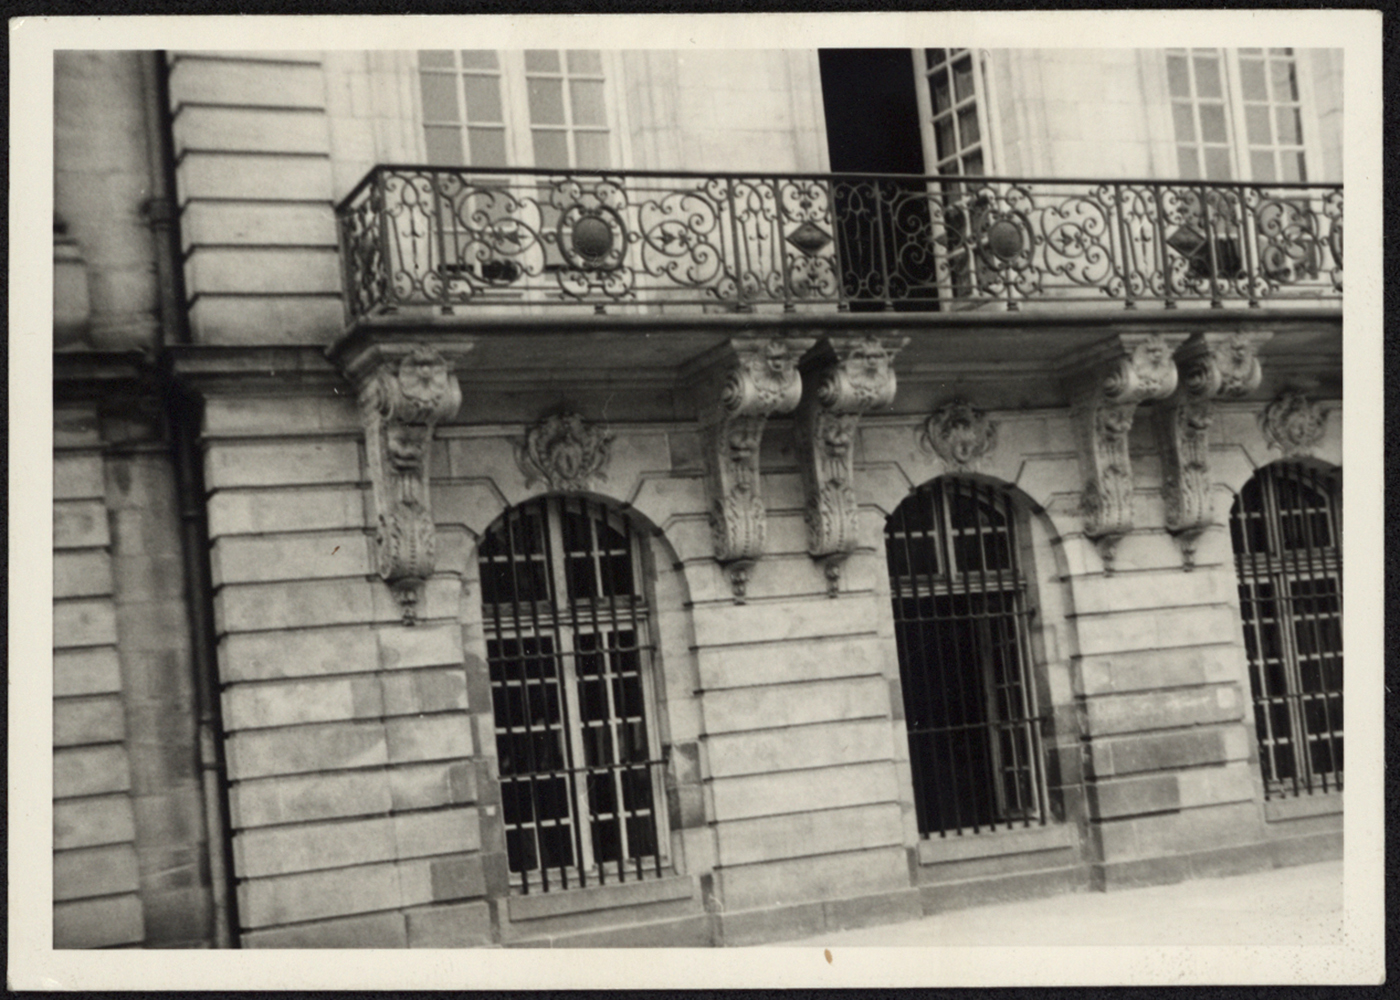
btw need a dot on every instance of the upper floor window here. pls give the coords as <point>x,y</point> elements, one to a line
<point>954,111</point>
<point>570,660</point>
<point>538,107</point>
<point>961,620</point>
<point>1237,114</point>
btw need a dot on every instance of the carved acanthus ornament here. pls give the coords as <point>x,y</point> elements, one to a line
<point>847,377</point>
<point>754,378</point>
<point>402,396</point>
<point>1293,424</point>
<point>960,434</point>
<point>1209,366</point>
<point>1112,380</point>
<point>565,452</point>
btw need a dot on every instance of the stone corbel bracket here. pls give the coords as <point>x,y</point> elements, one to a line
<point>843,378</point>
<point>1209,366</point>
<point>749,380</point>
<point>403,392</point>
<point>1106,385</point>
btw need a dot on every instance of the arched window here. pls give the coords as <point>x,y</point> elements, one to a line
<point>1286,529</point>
<point>569,655</point>
<point>961,616</point>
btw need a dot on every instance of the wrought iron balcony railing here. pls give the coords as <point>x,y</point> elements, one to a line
<point>447,237</point>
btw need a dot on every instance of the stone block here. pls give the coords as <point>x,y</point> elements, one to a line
<point>1152,590</point>
<point>374,930</point>
<point>442,831</point>
<point>241,318</point>
<point>943,855</point>
<point>948,896</point>
<point>90,822</point>
<point>263,270</point>
<point>149,578</point>
<point>284,899</point>
<point>137,532</point>
<point>76,427</point>
<point>419,691</point>
<point>811,833</point>
<point>1160,668</point>
<point>80,524</point>
<point>269,801</point>
<point>1134,797</point>
<point>677,932</point>
<point>197,79</point>
<point>284,850</point>
<point>282,463</point>
<point>440,880</point>
<point>1165,709</point>
<point>420,646</point>
<point>262,416</point>
<point>1161,628</point>
<point>1199,829</point>
<point>798,791</point>
<point>290,703</point>
<point>442,599</point>
<point>244,512</point>
<point>98,923</point>
<point>426,786</point>
<point>249,130</point>
<point>740,709</point>
<point>273,178</point>
<point>870,911</point>
<point>1302,807</point>
<point>458,925</point>
<point>78,476</point>
<point>304,749</point>
<point>90,771</point>
<point>748,666</point>
<point>84,721</point>
<point>286,557</point>
<point>774,923</point>
<point>815,618</point>
<point>292,604</point>
<point>801,747</point>
<point>830,876</point>
<point>86,671</point>
<point>301,653</point>
<point>1205,786</point>
<point>1158,751</point>
<point>95,871</point>
<point>435,737</point>
<point>82,573</point>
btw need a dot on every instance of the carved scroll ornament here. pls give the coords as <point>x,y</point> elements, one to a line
<point>757,378</point>
<point>1293,424</point>
<point>851,376</point>
<point>960,434</point>
<point>1121,373</point>
<point>565,452</point>
<point>401,399</point>
<point>1209,366</point>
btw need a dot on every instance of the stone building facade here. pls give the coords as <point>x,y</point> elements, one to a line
<point>665,508</point>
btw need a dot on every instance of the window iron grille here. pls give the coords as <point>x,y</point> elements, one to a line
<point>570,668</point>
<point>1285,527</point>
<point>961,626</point>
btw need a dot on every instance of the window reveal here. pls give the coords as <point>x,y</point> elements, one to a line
<point>569,660</point>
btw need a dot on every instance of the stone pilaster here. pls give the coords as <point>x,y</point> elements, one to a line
<point>1106,386</point>
<point>753,379</point>
<point>844,378</point>
<point>1209,365</point>
<point>402,396</point>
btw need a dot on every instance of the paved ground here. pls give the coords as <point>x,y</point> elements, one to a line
<point>1283,906</point>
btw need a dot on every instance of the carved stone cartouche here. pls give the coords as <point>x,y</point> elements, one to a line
<point>402,397</point>
<point>960,434</point>
<point>1293,424</point>
<point>565,452</point>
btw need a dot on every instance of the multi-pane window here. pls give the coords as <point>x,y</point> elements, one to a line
<point>1285,526</point>
<point>961,619</point>
<point>533,108</point>
<point>1237,114</point>
<point>954,110</point>
<point>569,658</point>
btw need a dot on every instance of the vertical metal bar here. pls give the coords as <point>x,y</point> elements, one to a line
<point>382,189</point>
<point>780,241</point>
<point>913,668</point>
<point>737,270</point>
<point>560,600</point>
<point>1159,233</point>
<point>937,539</point>
<point>437,222</point>
<point>880,242</point>
<point>1209,225</point>
<point>957,620</point>
<point>1249,234</point>
<point>991,729</point>
<point>1125,246</point>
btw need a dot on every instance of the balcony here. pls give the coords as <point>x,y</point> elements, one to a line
<point>444,241</point>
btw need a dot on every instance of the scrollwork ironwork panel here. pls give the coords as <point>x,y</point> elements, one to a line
<point>449,237</point>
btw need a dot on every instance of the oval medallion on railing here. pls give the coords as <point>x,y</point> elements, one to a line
<point>592,240</point>
<point>1004,238</point>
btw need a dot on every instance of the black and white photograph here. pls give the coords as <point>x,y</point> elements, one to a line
<point>827,509</point>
